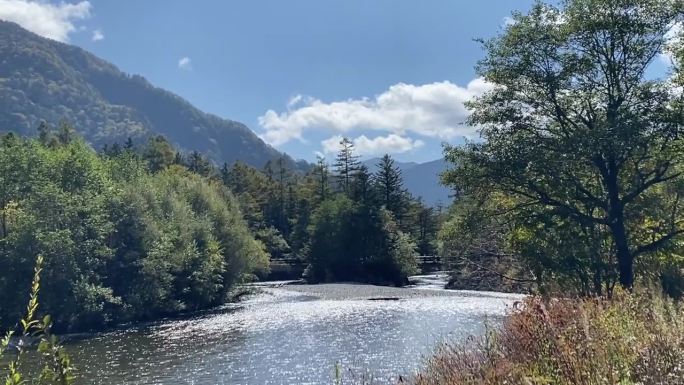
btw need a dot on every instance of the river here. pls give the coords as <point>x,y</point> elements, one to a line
<point>291,334</point>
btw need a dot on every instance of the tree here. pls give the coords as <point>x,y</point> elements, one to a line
<point>120,243</point>
<point>225,174</point>
<point>346,164</point>
<point>322,174</point>
<point>178,158</point>
<point>65,133</point>
<point>159,153</point>
<point>361,190</point>
<point>44,133</point>
<point>351,240</point>
<point>283,176</point>
<point>390,187</point>
<point>198,164</point>
<point>129,145</point>
<point>427,227</point>
<point>575,130</point>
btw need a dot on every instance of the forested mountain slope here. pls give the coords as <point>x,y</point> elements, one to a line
<point>42,79</point>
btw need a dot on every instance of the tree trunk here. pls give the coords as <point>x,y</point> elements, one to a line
<point>624,256</point>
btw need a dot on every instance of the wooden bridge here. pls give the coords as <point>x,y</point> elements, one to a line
<point>429,263</point>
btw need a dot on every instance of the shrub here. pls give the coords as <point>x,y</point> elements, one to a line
<point>629,339</point>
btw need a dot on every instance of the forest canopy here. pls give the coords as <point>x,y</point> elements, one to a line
<point>136,232</point>
<point>120,242</point>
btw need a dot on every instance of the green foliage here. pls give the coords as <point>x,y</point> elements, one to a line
<point>346,164</point>
<point>136,233</point>
<point>159,153</point>
<point>57,368</point>
<point>335,221</point>
<point>389,187</point>
<point>120,243</point>
<point>351,241</point>
<point>582,153</point>
<point>477,252</point>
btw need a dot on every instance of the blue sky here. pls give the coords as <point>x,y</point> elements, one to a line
<point>390,74</point>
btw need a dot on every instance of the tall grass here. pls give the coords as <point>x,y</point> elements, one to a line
<point>629,339</point>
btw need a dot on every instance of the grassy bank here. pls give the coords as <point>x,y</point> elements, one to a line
<point>629,339</point>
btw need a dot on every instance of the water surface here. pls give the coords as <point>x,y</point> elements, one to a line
<point>290,335</point>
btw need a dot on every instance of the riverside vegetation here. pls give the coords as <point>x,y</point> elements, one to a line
<point>574,191</point>
<point>138,232</point>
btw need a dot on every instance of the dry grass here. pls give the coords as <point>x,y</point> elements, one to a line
<point>630,339</point>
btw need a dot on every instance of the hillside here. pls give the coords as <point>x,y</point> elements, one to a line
<point>42,79</point>
<point>421,180</point>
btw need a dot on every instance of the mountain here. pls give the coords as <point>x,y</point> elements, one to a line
<point>421,180</point>
<point>42,79</point>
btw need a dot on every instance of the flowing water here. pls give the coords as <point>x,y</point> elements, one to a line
<point>291,334</point>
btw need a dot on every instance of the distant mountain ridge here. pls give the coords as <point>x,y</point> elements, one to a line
<point>42,79</point>
<point>421,180</point>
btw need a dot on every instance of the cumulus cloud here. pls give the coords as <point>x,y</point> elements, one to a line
<point>97,35</point>
<point>364,146</point>
<point>330,145</point>
<point>185,63</point>
<point>55,21</point>
<point>433,110</point>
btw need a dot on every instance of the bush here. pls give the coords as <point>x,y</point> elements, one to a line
<point>629,339</point>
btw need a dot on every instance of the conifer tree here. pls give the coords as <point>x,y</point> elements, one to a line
<point>322,175</point>
<point>389,186</point>
<point>346,164</point>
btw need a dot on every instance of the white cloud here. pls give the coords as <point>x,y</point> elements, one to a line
<point>434,110</point>
<point>390,144</point>
<point>55,21</point>
<point>331,145</point>
<point>185,63</point>
<point>97,35</point>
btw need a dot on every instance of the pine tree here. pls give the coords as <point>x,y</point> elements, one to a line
<point>268,170</point>
<point>322,175</point>
<point>225,174</point>
<point>361,188</point>
<point>346,164</point>
<point>390,187</point>
<point>44,133</point>
<point>198,164</point>
<point>427,229</point>
<point>283,177</point>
